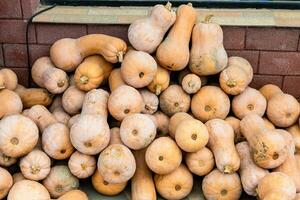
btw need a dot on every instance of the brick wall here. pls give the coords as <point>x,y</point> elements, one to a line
<point>273,52</point>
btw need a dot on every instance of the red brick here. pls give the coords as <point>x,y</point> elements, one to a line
<point>49,33</point>
<point>10,9</point>
<point>113,30</point>
<point>15,55</point>
<point>234,37</point>
<point>1,56</point>
<point>37,51</point>
<point>282,39</point>
<point>22,74</point>
<point>14,31</point>
<point>260,80</point>
<point>28,7</point>
<point>291,85</point>
<point>279,63</point>
<point>251,56</point>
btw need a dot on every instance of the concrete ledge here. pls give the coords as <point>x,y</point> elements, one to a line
<point>126,15</point>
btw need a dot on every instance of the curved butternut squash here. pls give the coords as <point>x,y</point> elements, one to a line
<point>68,53</point>
<point>173,52</point>
<point>208,55</point>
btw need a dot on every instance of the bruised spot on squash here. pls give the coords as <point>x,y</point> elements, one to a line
<point>224,192</point>
<point>177,187</point>
<point>288,115</point>
<point>14,141</point>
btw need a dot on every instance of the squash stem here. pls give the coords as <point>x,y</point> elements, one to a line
<point>84,79</point>
<point>120,56</point>
<point>208,19</point>
<point>157,89</point>
<point>231,83</point>
<point>168,6</point>
<point>61,83</point>
<point>228,169</point>
<point>190,4</point>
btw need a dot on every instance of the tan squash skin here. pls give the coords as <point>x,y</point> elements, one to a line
<point>46,75</point>
<point>174,100</point>
<point>250,173</point>
<point>237,76</point>
<point>18,135</point>
<point>191,83</point>
<point>18,177</point>
<point>208,55</point>
<point>123,101</point>
<point>276,186</point>
<point>161,81</point>
<point>56,141</point>
<point>73,120</point>
<point>81,165</point>
<point>116,164</point>
<point>95,103</point>
<point>8,79</point>
<point>210,102</point>
<point>295,132</point>
<point>176,185</point>
<point>115,79</point>
<point>142,184</point>
<point>61,116</point>
<point>235,124</point>
<point>163,155</point>
<point>191,135</point>
<point>36,165</point>
<point>34,96</point>
<point>60,181</point>
<point>68,53</point>
<point>283,110</point>
<point>289,166</point>
<point>175,121</point>
<point>249,101</point>
<point>115,137</point>
<point>150,101</point>
<point>96,136</point>
<point>7,161</point>
<point>103,187</point>
<point>269,148</point>
<point>173,52</point>
<point>72,100</point>
<point>147,33</point>
<point>11,103</point>
<point>221,142</point>
<point>200,162</point>
<point>137,131</point>
<point>21,189</point>
<point>74,194</point>
<point>217,185</point>
<point>91,72</point>
<point>268,124</point>
<point>297,156</point>
<point>269,90</point>
<point>41,116</point>
<point>138,68</point>
<point>162,122</point>
<point>6,182</point>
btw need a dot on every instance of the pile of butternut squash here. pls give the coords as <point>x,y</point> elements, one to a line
<point>148,115</point>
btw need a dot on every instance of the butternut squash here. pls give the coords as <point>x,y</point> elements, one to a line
<point>81,165</point>
<point>162,122</point>
<point>147,33</point>
<point>150,102</point>
<point>200,162</point>
<point>295,132</point>
<point>174,100</point>
<point>236,77</point>
<point>106,188</point>
<point>217,185</point>
<point>46,75</point>
<point>175,121</point>
<point>7,161</point>
<point>191,135</point>
<point>34,96</point>
<point>137,131</point>
<point>18,135</point>
<point>249,101</point>
<point>250,173</point>
<point>235,124</point>
<point>269,90</point>
<point>8,79</point>
<point>91,72</point>
<point>269,148</point>
<point>210,102</point>
<point>123,101</point>
<point>142,184</point>
<point>161,80</point>
<point>191,83</point>
<point>175,185</point>
<point>72,100</point>
<point>95,103</point>
<point>173,52</point>
<point>111,48</point>
<point>74,194</point>
<point>187,71</point>
<point>116,164</point>
<point>11,103</point>
<point>276,185</point>
<point>208,55</point>
<point>115,79</point>
<point>221,142</point>
<point>163,155</point>
<point>6,182</point>
<point>138,68</point>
